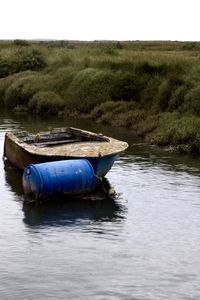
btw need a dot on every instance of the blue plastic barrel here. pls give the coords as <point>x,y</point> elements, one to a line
<point>65,176</point>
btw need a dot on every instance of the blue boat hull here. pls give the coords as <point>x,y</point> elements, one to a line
<point>102,165</point>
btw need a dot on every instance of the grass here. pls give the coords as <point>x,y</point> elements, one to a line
<point>151,87</point>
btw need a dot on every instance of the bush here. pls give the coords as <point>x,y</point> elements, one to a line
<point>19,92</point>
<point>58,58</point>
<point>29,59</point>
<point>21,60</point>
<point>113,106</point>
<point>5,68</point>
<point>123,119</point>
<point>19,88</point>
<point>192,101</point>
<point>128,86</point>
<point>61,44</point>
<point>129,118</point>
<point>119,113</point>
<point>152,69</point>
<point>46,102</point>
<point>190,46</point>
<point>24,85</point>
<point>148,125</point>
<point>89,88</point>
<point>104,108</point>
<point>177,98</point>
<point>165,91</point>
<point>182,132</point>
<point>6,82</point>
<point>21,43</point>
<point>61,79</point>
<point>148,94</point>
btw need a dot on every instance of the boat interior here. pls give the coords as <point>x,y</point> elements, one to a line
<point>59,136</point>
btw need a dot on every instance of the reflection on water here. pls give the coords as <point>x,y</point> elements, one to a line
<point>13,178</point>
<point>151,156</point>
<point>140,242</point>
<point>72,212</point>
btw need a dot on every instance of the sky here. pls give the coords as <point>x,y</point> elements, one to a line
<point>100,19</point>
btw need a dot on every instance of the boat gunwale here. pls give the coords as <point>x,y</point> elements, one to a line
<point>114,146</point>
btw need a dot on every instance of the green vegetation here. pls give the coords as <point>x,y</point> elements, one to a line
<point>151,87</point>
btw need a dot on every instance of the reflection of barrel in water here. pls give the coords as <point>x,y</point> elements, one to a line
<point>13,177</point>
<point>100,205</point>
<point>72,212</point>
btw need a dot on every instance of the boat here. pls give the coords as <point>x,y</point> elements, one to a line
<point>22,148</point>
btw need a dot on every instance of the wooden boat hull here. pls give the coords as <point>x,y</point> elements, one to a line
<point>21,158</point>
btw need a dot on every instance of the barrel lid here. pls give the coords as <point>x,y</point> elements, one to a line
<point>32,180</point>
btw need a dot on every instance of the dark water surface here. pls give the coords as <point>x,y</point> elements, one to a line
<point>145,244</point>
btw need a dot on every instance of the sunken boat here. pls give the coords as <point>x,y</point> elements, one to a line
<point>23,148</point>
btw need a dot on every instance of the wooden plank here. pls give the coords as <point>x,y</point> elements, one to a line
<point>54,143</point>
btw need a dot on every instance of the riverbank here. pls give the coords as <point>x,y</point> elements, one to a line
<point>151,87</point>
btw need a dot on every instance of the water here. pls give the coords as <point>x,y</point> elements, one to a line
<point>143,245</point>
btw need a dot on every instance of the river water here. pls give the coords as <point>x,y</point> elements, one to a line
<point>142,245</point>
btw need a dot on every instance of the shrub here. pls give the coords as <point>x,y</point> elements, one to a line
<point>119,45</point>
<point>19,92</point>
<point>182,132</point>
<point>148,94</point>
<point>21,42</point>
<point>21,60</point>
<point>60,79</point>
<point>190,46</point>
<point>148,125</point>
<point>61,44</point>
<point>23,86</point>
<point>46,102</point>
<point>118,113</point>
<point>177,98</point>
<point>29,59</point>
<point>89,88</point>
<point>114,63</point>
<point>124,119</point>
<point>58,58</point>
<point>103,108</point>
<point>128,118</point>
<point>114,106</point>
<point>165,91</point>
<point>192,101</point>
<point>5,68</point>
<point>6,82</point>
<point>152,69</point>
<point>127,86</point>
